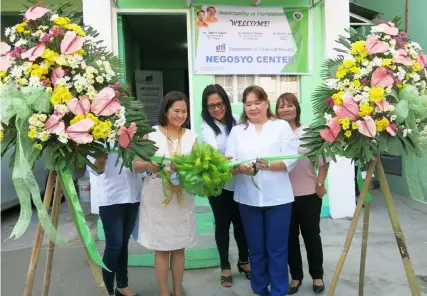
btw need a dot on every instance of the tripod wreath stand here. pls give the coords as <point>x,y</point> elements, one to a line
<point>375,166</point>
<point>54,188</point>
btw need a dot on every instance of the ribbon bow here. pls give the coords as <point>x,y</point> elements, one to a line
<point>21,103</point>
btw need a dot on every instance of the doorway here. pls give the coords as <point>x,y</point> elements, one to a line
<point>154,51</point>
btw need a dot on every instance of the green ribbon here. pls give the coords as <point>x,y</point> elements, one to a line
<point>21,103</point>
<point>410,101</point>
<point>82,226</point>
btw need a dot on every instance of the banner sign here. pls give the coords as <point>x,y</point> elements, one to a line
<point>232,40</point>
<point>149,89</point>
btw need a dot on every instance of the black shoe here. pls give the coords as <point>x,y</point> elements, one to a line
<point>118,293</point>
<point>294,290</point>
<point>226,279</point>
<point>319,289</point>
<point>240,265</point>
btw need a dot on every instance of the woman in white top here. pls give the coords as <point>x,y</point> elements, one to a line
<point>266,211</point>
<point>217,124</point>
<point>168,227</point>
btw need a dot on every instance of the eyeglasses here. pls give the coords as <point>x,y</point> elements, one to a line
<point>212,107</point>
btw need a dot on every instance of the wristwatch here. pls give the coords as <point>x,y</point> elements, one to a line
<point>320,184</point>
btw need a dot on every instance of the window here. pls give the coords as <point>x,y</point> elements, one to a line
<point>274,85</point>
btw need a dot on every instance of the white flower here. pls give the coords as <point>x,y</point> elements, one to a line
<point>62,108</point>
<point>391,107</point>
<point>62,137</point>
<point>21,42</point>
<point>43,135</point>
<point>393,117</point>
<point>386,37</point>
<point>48,89</point>
<point>54,17</point>
<point>415,45</point>
<point>357,98</point>
<point>83,65</point>
<point>42,117</point>
<point>392,43</point>
<point>7,32</point>
<point>331,83</point>
<point>91,70</point>
<point>108,77</point>
<point>377,61</point>
<point>99,79</point>
<point>103,58</point>
<point>16,71</point>
<point>415,76</point>
<point>365,63</point>
<point>413,53</point>
<point>98,63</point>
<point>327,116</point>
<point>34,81</point>
<point>12,38</point>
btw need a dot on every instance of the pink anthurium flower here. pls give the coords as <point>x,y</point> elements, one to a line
<point>383,105</point>
<point>78,107</point>
<point>79,131</point>
<point>392,129</point>
<point>402,58</point>
<point>382,77</point>
<point>105,103</point>
<point>4,56</point>
<point>54,124</point>
<point>33,53</point>
<point>422,60</point>
<point>367,126</point>
<point>36,12</point>
<point>374,45</point>
<point>56,74</point>
<point>126,135</point>
<point>330,134</point>
<point>71,42</point>
<point>349,109</point>
<point>388,28</point>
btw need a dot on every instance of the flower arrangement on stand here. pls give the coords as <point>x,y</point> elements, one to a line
<point>373,100</point>
<point>61,96</point>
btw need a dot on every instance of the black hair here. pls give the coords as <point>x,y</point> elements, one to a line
<point>229,119</point>
<point>169,99</point>
<point>207,9</point>
<point>201,10</point>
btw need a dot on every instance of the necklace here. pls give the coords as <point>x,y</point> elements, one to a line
<point>174,150</point>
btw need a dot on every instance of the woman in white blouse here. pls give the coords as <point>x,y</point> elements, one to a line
<point>266,211</point>
<point>217,123</point>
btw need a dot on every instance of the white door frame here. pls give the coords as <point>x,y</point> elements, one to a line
<point>115,12</point>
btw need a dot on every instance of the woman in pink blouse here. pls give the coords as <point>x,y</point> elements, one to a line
<point>309,188</point>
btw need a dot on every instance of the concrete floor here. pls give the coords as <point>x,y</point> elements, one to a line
<point>384,271</point>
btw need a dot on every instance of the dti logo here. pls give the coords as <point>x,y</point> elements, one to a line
<point>149,78</point>
<point>220,48</point>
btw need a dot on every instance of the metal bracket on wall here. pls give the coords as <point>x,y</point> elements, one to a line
<point>313,4</point>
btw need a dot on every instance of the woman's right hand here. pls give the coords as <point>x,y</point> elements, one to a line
<point>152,167</point>
<point>247,169</point>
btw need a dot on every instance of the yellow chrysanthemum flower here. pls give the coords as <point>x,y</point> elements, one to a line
<point>376,94</point>
<point>345,123</point>
<point>19,28</point>
<point>358,50</point>
<point>62,21</point>
<point>93,118</point>
<point>1,135</point>
<point>347,133</point>
<point>365,109</point>
<point>381,124</point>
<point>349,64</point>
<point>77,118</point>
<point>354,125</point>
<point>61,94</point>
<point>32,134</point>
<point>355,70</point>
<point>341,72</point>
<point>44,136</point>
<point>102,130</point>
<point>38,146</point>
<point>50,56</point>
<point>416,67</point>
<point>337,97</point>
<point>387,62</point>
<point>76,28</point>
<point>356,83</point>
<point>3,74</point>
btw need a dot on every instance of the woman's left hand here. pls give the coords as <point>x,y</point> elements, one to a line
<point>262,164</point>
<point>320,191</point>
